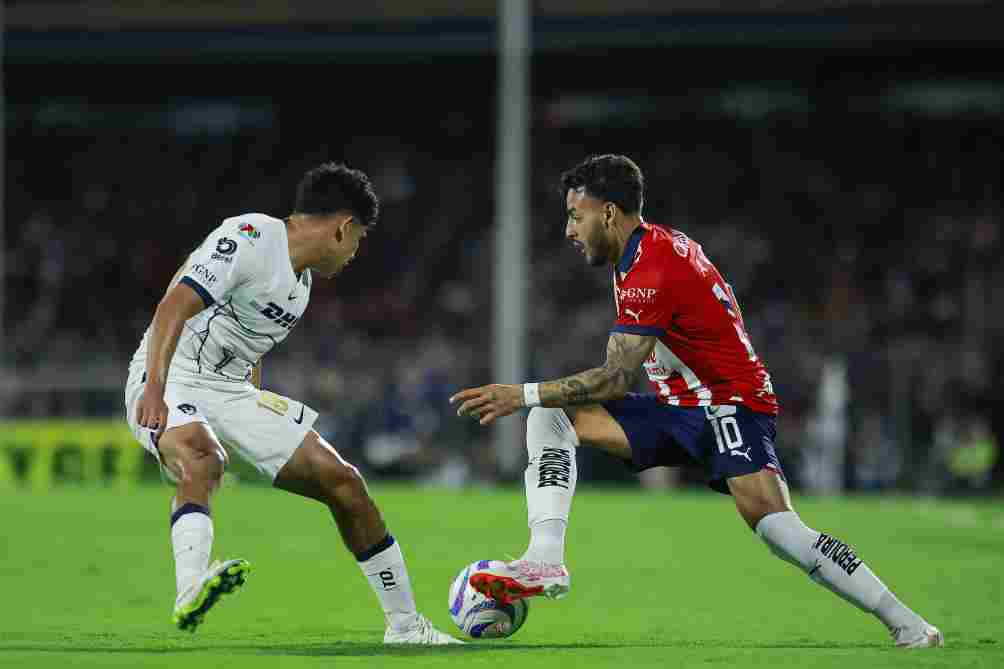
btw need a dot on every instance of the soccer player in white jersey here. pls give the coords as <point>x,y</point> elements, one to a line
<point>193,393</point>
<point>713,405</point>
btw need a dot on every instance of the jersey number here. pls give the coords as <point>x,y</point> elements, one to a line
<point>727,433</point>
<point>276,313</point>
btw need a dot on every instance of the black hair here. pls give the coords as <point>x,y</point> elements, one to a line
<point>334,187</point>
<point>611,178</point>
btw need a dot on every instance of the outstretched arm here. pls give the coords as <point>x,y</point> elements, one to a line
<point>625,354</point>
<point>612,381</point>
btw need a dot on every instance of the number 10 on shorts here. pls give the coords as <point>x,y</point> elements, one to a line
<point>726,428</point>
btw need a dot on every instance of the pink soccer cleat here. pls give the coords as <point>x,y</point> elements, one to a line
<point>520,579</point>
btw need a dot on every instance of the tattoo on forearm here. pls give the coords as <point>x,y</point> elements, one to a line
<point>577,390</point>
<point>625,354</point>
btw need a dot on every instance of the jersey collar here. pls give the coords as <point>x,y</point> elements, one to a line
<point>630,249</point>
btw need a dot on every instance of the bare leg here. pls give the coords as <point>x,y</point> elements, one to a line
<point>318,472</point>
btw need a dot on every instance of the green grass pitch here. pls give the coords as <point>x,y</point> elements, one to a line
<point>659,580</point>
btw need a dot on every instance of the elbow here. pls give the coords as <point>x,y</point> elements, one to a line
<point>620,385</point>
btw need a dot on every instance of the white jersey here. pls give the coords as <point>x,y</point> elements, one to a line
<point>253,299</point>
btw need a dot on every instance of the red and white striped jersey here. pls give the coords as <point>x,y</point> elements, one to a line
<point>665,286</point>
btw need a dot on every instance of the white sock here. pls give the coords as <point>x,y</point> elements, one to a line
<point>383,566</point>
<point>192,539</point>
<point>834,565</point>
<point>547,541</point>
<point>550,477</point>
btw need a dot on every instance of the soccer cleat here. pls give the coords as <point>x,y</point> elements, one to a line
<point>519,579</point>
<point>924,636</point>
<point>221,578</point>
<point>422,633</point>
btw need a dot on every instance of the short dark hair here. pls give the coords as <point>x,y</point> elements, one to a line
<point>611,178</point>
<point>333,187</point>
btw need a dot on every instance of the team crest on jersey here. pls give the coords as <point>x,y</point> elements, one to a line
<point>249,232</point>
<point>681,244</point>
<point>187,409</point>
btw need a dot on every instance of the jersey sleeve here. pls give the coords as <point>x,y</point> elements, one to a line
<point>222,263</point>
<point>645,298</point>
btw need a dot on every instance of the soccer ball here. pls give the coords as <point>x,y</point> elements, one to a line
<point>481,617</point>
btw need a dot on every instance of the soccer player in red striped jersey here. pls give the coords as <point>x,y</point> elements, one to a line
<point>712,406</point>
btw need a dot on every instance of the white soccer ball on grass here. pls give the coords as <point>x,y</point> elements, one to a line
<point>480,617</point>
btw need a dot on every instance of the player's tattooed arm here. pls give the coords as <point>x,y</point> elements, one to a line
<point>625,355</point>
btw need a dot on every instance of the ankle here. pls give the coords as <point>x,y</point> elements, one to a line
<point>401,622</point>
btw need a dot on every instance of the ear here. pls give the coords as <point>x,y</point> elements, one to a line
<point>341,227</point>
<point>609,211</point>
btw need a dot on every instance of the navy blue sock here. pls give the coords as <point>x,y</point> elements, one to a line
<point>188,508</point>
<point>376,548</point>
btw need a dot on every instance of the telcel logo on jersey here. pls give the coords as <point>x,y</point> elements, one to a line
<point>249,232</point>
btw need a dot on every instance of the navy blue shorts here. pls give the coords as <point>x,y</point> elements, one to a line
<point>724,440</point>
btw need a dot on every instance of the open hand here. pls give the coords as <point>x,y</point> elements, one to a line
<point>489,402</point>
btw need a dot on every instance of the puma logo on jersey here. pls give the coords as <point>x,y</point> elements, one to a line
<point>746,455</point>
<point>635,314</point>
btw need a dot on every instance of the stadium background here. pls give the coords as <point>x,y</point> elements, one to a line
<point>840,164</point>
<point>838,159</point>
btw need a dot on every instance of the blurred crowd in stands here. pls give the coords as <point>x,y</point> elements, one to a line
<point>872,242</point>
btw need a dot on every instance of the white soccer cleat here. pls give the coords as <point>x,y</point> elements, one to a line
<point>422,633</point>
<point>221,578</point>
<point>923,636</point>
<point>519,579</point>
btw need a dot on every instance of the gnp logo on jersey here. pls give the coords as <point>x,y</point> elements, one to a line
<point>226,246</point>
<point>249,232</point>
<point>187,409</point>
<point>204,274</point>
<point>637,295</point>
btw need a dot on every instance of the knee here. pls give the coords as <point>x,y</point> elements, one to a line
<point>545,420</point>
<point>759,495</point>
<point>198,463</point>
<point>753,511</point>
<point>340,481</point>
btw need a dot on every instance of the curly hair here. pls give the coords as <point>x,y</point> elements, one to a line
<point>611,178</point>
<point>333,187</point>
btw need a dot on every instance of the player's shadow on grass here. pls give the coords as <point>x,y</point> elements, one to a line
<point>354,649</point>
<point>364,649</point>
<point>349,648</point>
